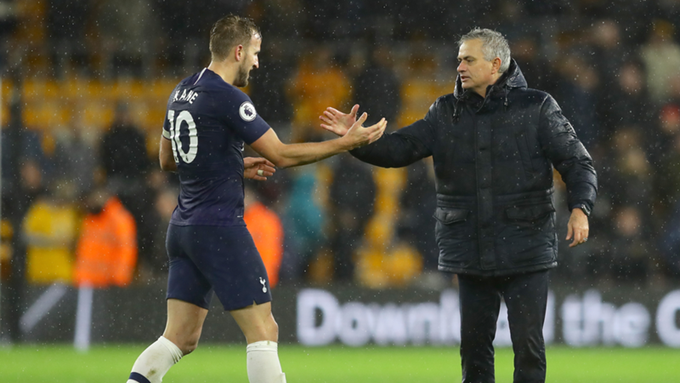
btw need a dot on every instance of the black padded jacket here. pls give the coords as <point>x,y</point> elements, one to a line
<point>493,159</point>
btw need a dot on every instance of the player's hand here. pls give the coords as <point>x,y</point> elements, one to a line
<point>338,122</point>
<point>358,136</point>
<point>577,227</point>
<point>257,168</point>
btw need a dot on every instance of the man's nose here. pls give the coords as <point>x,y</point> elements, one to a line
<point>461,66</point>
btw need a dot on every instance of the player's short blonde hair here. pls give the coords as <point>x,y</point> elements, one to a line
<point>229,32</point>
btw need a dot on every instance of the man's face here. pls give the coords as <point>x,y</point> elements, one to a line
<point>476,73</point>
<point>250,61</point>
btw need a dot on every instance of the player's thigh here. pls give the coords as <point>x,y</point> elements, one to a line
<point>257,322</point>
<point>229,260</point>
<point>185,324</point>
<point>186,281</point>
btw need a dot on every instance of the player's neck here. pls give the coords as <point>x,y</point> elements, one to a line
<point>224,70</point>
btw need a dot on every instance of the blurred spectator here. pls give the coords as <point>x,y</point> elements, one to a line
<point>318,84</point>
<point>6,238</point>
<point>337,20</point>
<point>576,94</point>
<point>19,191</point>
<point>377,89</point>
<point>535,67</point>
<point>661,55</point>
<point>269,17</point>
<point>181,27</point>
<point>418,202</point>
<point>67,29</point>
<point>128,36</point>
<point>269,84</point>
<point>106,253</point>
<point>430,19</point>
<point>627,173</point>
<point>30,186</point>
<point>265,227</point>
<point>76,147</point>
<point>422,81</point>
<point>609,54</point>
<point>674,90</point>
<point>391,264</point>
<point>664,130</point>
<point>303,222</point>
<point>153,260</point>
<point>544,8</point>
<point>21,147</point>
<point>154,265</point>
<point>123,149</point>
<point>126,164</point>
<point>50,230</point>
<point>631,254</point>
<point>668,178</point>
<point>670,244</point>
<point>626,101</point>
<point>352,195</point>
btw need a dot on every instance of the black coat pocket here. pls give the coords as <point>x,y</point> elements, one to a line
<point>527,236</point>
<point>448,216</point>
<point>455,237</point>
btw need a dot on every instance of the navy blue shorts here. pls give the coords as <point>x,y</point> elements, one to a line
<point>204,259</point>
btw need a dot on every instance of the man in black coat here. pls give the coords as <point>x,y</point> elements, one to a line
<point>494,143</point>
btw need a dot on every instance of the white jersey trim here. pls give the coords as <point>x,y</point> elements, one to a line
<point>200,75</point>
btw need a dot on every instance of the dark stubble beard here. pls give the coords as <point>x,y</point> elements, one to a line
<point>242,77</point>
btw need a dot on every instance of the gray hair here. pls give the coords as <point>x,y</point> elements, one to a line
<point>493,45</point>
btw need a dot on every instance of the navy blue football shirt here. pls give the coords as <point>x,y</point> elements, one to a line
<point>208,121</point>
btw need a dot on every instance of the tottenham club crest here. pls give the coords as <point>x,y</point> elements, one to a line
<point>263,282</point>
<point>247,111</point>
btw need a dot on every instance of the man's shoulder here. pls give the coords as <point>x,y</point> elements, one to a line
<point>530,96</point>
<point>531,93</point>
<point>447,98</point>
<point>442,102</point>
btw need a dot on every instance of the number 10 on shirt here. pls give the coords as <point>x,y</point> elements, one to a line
<point>175,125</point>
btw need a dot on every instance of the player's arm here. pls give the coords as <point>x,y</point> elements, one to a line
<point>165,157</point>
<point>287,155</point>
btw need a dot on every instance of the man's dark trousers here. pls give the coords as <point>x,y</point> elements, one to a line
<point>525,296</point>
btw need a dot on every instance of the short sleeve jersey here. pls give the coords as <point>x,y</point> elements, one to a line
<point>208,121</point>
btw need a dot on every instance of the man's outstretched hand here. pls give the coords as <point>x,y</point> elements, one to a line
<point>358,135</point>
<point>257,168</point>
<point>338,122</point>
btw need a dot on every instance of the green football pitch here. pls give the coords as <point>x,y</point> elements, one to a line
<point>216,363</point>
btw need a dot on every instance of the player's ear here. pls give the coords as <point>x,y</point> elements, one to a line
<point>238,52</point>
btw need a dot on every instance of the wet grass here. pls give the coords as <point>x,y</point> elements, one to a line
<point>216,363</point>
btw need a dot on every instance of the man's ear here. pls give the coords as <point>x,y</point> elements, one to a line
<point>496,65</point>
<point>238,52</point>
